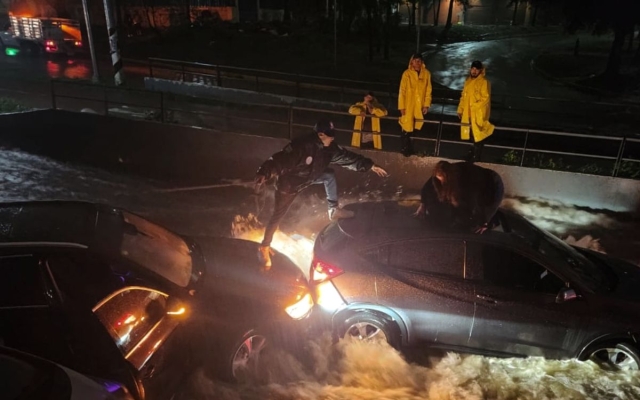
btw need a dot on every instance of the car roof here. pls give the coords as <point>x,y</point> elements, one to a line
<point>378,222</point>
<point>70,222</point>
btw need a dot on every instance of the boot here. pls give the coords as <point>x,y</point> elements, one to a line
<point>339,213</point>
<point>407,145</point>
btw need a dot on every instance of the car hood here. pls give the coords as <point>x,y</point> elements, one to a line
<point>233,270</point>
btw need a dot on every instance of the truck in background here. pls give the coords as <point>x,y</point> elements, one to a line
<point>47,35</point>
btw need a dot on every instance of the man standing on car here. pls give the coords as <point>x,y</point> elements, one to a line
<point>474,110</point>
<point>414,99</point>
<point>302,163</point>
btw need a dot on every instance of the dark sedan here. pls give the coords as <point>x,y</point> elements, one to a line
<point>112,295</point>
<point>25,376</point>
<point>512,291</point>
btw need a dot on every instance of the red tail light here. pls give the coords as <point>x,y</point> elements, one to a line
<point>322,271</point>
<point>50,43</point>
<point>78,43</point>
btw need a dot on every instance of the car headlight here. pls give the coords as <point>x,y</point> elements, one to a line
<point>300,308</point>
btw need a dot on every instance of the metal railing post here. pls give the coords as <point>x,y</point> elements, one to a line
<point>162,118</point>
<point>290,122</point>
<point>106,101</point>
<point>53,95</point>
<point>618,164</point>
<point>439,133</point>
<point>524,148</point>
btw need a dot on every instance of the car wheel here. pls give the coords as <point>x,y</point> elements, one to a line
<point>237,357</point>
<point>370,328</point>
<point>246,357</point>
<point>617,357</point>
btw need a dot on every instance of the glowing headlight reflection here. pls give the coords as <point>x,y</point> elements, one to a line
<point>301,308</point>
<point>328,297</point>
<point>177,312</point>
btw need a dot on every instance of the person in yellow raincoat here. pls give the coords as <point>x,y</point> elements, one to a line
<point>414,99</point>
<point>474,110</point>
<point>367,124</point>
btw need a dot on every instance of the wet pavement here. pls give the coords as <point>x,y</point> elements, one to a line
<point>348,370</point>
<point>521,97</point>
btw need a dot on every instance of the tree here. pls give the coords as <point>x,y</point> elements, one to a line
<point>388,24</point>
<point>369,5</point>
<point>515,4</point>
<point>436,11</point>
<point>447,27</point>
<point>601,16</point>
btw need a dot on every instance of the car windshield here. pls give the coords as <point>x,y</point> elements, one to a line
<point>157,249</point>
<point>551,247</point>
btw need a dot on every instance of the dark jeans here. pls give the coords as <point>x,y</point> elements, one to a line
<point>284,200</point>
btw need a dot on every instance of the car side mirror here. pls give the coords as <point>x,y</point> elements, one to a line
<point>566,294</point>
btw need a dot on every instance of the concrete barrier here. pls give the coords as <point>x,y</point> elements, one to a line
<point>191,156</point>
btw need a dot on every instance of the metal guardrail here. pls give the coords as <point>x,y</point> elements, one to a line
<point>257,78</point>
<point>160,106</point>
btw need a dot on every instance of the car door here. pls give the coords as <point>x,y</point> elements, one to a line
<point>28,319</point>
<point>143,322</point>
<point>516,309</point>
<point>424,278</point>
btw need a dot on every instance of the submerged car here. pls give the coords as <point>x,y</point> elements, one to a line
<point>109,294</point>
<point>513,291</point>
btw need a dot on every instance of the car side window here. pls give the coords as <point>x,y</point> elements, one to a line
<point>22,283</point>
<point>131,313</point>
<point>506,268</point>
<point>434,256</point>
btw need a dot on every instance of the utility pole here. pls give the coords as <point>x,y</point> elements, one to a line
<point>419,12</point>
<point>335,33</point>
<point>112,30</point>
<point>94,63</point>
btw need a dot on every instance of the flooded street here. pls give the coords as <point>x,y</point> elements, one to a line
<point>347,370</point>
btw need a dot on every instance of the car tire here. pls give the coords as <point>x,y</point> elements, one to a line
<point>614,356</point>
<point>369,327</point>
<point>240,356</point>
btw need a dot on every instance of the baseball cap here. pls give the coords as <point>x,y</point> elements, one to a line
<point>325,127</point>
<point>477,64</point>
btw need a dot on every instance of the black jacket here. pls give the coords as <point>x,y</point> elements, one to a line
<point>305,159</point>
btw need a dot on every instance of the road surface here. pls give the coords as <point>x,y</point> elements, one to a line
<point>348,370</point>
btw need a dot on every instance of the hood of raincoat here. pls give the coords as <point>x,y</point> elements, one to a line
<point>421,69</point>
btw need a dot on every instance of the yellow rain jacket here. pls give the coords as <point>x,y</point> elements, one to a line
<point>378,110</point>
<point>475,108</point>
<point>415,93</point>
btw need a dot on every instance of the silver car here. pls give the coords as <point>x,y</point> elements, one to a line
<point>513,291</point>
